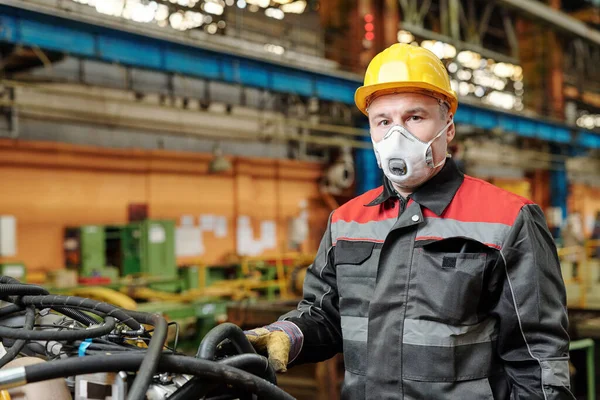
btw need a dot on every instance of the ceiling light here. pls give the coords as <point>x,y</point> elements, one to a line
<point>274,13</point>
<point>405,36</point>
<point>296,7</point>
<point>213,8</point>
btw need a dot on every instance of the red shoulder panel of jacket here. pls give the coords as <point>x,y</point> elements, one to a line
<point>356,210</point>
<point>480,201</point>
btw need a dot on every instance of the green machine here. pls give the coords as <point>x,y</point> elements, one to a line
<point>85,250</point>
<point>145,247</point>
<point>157,253</point>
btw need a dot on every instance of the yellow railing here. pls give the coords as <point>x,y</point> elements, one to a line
<point>248,264</point>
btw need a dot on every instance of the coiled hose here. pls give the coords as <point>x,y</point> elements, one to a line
<point>149,364</point>
<point>214,371</point>
<point>208,346</point>
<point>66,335</point>
<point>10,309</point>
<point>18,345</point>
<point>256,364</point>
<point>52,301</point>
<point>11,286</point>
<point>196,387</point>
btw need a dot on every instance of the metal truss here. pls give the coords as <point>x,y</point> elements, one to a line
<point>464,24</point>
<point>581,66</point>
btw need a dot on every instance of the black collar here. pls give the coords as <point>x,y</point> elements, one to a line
<point>435,194</point>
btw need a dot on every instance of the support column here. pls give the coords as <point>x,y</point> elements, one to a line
<point>559,189</point>
<point>555,77</point>
<point>368,174</point>
<point>390,22</point>
<point>366,55</point>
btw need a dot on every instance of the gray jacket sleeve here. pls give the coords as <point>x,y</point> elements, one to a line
<point>317,315</point>
<point>533,340</point>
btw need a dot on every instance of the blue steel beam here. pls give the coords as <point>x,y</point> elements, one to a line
<point>19,26</point>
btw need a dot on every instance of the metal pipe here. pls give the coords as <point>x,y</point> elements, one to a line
<point>124,101</point>
<point>12,377</point>
<point>561,20</point>
<point>215,132</point>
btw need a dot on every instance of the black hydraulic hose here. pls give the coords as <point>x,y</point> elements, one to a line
<point>194,389</point>
<point>210,370</point>
<point>93,306</point>
<point>11,289</point>
<point>19,344</point>
<point>77,315</point>
<point>208,347</point>
<point>10,309</point>
<point>256,364</point>
<point>253,363</point>
<point>65,335</point>
<point>9,279</point>
<point>11,286</point>
<point>152,357</point>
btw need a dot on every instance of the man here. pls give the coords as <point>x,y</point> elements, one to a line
<point>435,285</point>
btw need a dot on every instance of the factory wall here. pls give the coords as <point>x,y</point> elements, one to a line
<point>54,185</point>
<point>585,201</point>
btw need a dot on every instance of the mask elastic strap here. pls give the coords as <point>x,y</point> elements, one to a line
<point>441,132</point>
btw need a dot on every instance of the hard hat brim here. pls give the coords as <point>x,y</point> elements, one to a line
<point>365,94</point>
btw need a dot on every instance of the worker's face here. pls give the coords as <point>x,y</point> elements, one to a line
<point>421,115</point>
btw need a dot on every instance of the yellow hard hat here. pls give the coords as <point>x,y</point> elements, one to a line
<point>405,68</point>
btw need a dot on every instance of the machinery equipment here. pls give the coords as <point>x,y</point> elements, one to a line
<point>94,350</point>
<point>102,254</point>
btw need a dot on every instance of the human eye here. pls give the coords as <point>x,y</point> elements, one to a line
<point>415,118</point>
<point>383,122</point>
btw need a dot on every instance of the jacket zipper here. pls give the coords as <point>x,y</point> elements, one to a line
<point>402,205</point>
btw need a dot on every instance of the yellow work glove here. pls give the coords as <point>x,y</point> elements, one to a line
<point>280,341</point>
<point>275,344</point>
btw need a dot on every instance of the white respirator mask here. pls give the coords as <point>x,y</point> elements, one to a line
<point>406,160</point>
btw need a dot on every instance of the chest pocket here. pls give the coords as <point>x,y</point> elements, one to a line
<point>356,268</point>
<point>449,277</point>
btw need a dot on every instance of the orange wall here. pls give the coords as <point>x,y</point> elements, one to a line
<point>584,200</point>
<point>48,186</point>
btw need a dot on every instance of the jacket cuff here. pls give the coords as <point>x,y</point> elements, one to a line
<point>295,334</point>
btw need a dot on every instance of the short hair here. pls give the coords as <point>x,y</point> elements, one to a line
<point>444,109</point>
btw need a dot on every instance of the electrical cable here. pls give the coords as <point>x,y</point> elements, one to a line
<point>248,371</point>
<point>12,289</point>
<point>77,315</point>
<point>210,370</point>
<point>198,387</point>
<point>176,340</point>
<point>11,286</point>
<point>20,343</point>
<point>10,309</point>
<point>208,348</point>
<point>82,303</point>
<point>151,359</point>
<point>68,335</point>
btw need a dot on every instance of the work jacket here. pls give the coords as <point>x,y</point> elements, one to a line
<point>455,293</point>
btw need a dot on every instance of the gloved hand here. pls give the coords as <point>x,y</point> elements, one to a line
<point>273,342</point>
